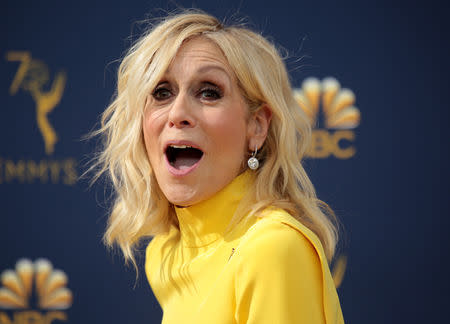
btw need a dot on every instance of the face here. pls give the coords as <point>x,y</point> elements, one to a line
<point>196,126</point>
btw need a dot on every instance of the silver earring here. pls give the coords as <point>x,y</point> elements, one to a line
<point>253,162</point>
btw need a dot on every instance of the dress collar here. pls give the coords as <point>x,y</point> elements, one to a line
<point>203,223</point>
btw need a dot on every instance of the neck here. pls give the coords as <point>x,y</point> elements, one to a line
<point>204,223</point>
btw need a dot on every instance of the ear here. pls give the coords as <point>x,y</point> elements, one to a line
<point>259,127</point>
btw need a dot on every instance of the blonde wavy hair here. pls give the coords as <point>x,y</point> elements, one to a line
<point>140,209</point>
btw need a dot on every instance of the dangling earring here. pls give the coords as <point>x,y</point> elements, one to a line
<point>253,162</point>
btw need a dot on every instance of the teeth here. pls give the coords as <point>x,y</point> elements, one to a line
<point>180,146</point>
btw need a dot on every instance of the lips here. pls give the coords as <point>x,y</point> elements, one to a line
<point>182,158</point>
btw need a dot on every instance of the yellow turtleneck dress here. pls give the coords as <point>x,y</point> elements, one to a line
<point>268,270</point>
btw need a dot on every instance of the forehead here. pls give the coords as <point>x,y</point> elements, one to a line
<point>200,51</point>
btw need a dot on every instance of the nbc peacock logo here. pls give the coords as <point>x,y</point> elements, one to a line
<point>339,116</point>
<point>50,294</point>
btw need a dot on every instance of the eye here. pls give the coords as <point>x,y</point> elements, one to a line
<point>161,93</point>
<point>210,93</point>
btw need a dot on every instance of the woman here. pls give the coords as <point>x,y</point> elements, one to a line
<point>203,144</point>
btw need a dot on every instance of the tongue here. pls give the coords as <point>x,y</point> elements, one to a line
<point>185,160</point>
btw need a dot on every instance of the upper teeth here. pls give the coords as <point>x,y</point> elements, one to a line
<point>180,146</point>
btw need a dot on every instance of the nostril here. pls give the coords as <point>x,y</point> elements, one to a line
<point>182,123</point>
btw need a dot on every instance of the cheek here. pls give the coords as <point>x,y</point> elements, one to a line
<point>152,126</point>
<point>229,135</point>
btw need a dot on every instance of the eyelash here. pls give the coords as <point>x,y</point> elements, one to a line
<point>216,92</point>
<point>158,91</point>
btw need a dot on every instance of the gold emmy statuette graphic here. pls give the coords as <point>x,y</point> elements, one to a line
<point>50,286</point>
<point>339,113</point>
<point>32,75</point>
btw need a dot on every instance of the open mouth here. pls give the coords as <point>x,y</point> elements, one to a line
<point>183,157</point>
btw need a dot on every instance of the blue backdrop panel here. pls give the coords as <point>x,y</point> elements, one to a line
<point>58,62</point>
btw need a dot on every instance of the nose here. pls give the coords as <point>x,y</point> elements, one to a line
<point>181,112</point>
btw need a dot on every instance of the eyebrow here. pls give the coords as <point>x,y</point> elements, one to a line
<point>207,68</point>
<point>204,69</point>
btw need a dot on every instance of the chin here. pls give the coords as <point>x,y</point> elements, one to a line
<point>182,202</point>
<point>180,198</point>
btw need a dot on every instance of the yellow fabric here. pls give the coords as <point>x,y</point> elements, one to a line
<point>268,270</point>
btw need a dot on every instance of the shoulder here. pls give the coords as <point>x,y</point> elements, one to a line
<point>280,255</point>
<point>160,244</point>
<point>279,236</point>
<point>278,250</point>
<point>154,259</point>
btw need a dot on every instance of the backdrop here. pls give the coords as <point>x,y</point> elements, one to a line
<point>380,155</point>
